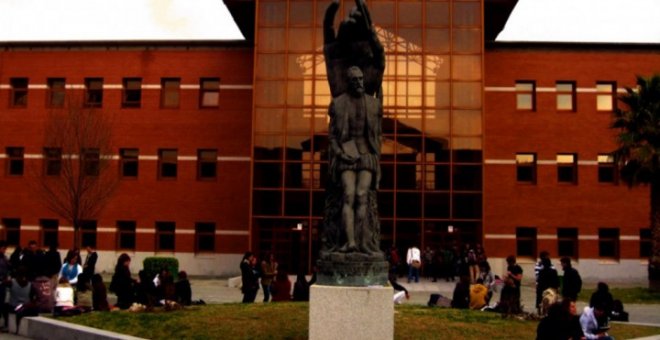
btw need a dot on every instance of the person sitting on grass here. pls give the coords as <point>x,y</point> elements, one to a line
<point>589,322</point>
<point>183,290</point>
<point>21,297</point>
<point>99,294</point>
<point>478,294</point>
<point>461,296</point>
<point>509,298</point>
<point>64,299</point>
<point>84,293</point>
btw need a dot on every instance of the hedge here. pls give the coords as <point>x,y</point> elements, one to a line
<point>153,265</point>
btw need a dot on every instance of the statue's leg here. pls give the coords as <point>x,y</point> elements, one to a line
<point>348,212</point>
<point>363,229</point>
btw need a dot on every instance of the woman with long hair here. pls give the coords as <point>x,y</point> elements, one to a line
<point>122,282</point>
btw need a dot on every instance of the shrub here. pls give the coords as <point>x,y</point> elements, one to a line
<point>153,265</point>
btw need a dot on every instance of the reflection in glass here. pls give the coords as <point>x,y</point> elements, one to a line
<point>267,175</point>
<point>467,41</point>
<point>267,202</point>
<point>436,205</point>
<point>268,147</point>
<point>466,122</point>
<point>300,13</point>
<point>269,120</point>
<point>272,13</point>
<point>270,65</point>
<point>467,14</point>
<point>437,122</point>
<point>466,95</point>
<point>437,13</point>
<point>466,67</point>
<point>271,39</point>
<point>270,93</point>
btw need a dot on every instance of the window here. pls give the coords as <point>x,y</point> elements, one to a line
<point>12,231</point>
<point>165,236</point>
<point>91,161</point>
<point>129,162</point>
<point>88,234</point>
<point>207,164</point>
<point>49,232</point>
<point>132,94</point>
<point>15,161</point>
<point>607,171</point>
<point>567,168</point>
<point>526,95</point>
<point>566,96</point>
<point>608,242</point>
<point>567,242</point>
<point>204,237</point>
<point>605,96</point>
<point>56,92</point>
<point>526,242</point>
<point>169,92</point>
<point>126,235</point>
<point>645,243</point>
<point>52,161</point>
<point>209,92</point>
<point>526,167</point>
<point>167,163</point>
<point>19,92</point>
<point>93,92</point>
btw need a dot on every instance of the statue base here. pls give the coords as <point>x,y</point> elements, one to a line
<point>351,312</point>
<point>352,269</point>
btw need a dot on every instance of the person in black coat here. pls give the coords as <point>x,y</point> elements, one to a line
<point>89,267</point>
<point>122,283</point>
<point>249,277</point>
<point>548,278</point>
<point>603,297</point>
<point>183,289</point>
<point>461,296</point>
<point>572,281</point>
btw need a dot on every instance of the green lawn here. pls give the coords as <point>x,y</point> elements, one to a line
<point>626,295</point>
<point>289,320</point>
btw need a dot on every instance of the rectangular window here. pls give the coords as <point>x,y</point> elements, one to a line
<point>209,92</point>
<point>129,162</point>
<point>645,243</point>
<point>19,92</point>
<point>608,242</point>
<point>205,237</point>
<point>169,92</point>
<point>565,96</point>
<point>526,167</point>
<point>52,161</point>
<point>567,168</point>
<point>207,161</point>
<point>49,232</point>
<point>567,242</point>
<point>56,92</point>
<point>12,231</point>
<point>607,171</point>
<point>167,163</point>
<point>165,236</point>
<point>526,95</point>
<point>132,92</point>
<point>526,242</point>
<point>88,234</point>
<point>15,161</point>
<point>93,92</point>
<point>126,235</point>
<point>605,96</point>
<point>91,158</point>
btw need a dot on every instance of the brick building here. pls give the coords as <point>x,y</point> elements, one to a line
<point>500,143</point>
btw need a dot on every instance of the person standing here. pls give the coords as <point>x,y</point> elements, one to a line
<point>547,279</point>
<point>268,272</point>
<point>572,281</point>
<point>514,271</point>
<point>89,267</point>
<point>249,277</point>
<point>414,261</point>
<point>4,275</point>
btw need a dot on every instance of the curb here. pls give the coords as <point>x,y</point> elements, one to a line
<point>49,329</point>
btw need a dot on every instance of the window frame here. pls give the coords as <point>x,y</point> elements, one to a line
<point>564,168</point>
<point>523,93</point>
<point>164,162</point>
<point>55,91</point>
<point>563,93</point>
<point>532,238</point>
<point>199,234</point>
<point>161,232</point>
<point>91,158</point>
<point>131,93</point>
<point>93,92</point>
<point>88,227</point>
<point>204,162</point>
<point>15,161</point>
<point>606,163</point>
<point>604,94</point>
<point>520,165</point>
<point>126,161</point>
<point>18,97</point>
<point>205,90</point>
<point>11,229</point>
<point>49,227</point>
<point>568,234</point>
<point>614,239</point>
<point>126,228</point>
<point>166,90</point>
<point>645,241</point>
<point>51,160</point>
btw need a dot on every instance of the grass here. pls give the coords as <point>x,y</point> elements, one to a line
<point>637,295</point>
<point>290,321</point>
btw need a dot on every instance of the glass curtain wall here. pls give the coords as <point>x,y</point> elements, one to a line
<point>431,186</point>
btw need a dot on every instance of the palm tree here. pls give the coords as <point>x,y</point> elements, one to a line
<point>638,153</point>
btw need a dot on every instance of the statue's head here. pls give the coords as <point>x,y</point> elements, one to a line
<point>355,81</point>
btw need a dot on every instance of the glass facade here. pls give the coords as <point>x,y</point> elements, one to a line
<point>432,126</point>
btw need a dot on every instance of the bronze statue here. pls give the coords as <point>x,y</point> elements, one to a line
<point>355,62</point>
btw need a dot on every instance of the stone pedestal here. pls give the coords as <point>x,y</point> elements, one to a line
<point>351,313</point>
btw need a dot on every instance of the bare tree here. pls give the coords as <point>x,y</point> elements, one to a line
<point>75,182</point>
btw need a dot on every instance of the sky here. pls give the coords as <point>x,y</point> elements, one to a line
<point>97,20</point>
<point>616,21</point>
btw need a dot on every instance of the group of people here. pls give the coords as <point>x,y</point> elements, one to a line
<point>444,262</point>
<point>273,279</point>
